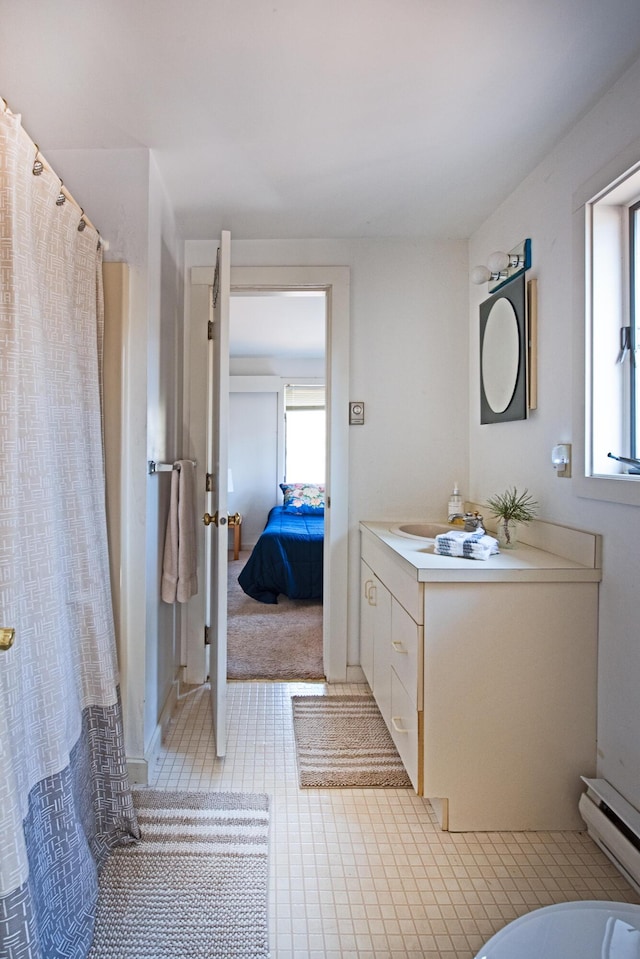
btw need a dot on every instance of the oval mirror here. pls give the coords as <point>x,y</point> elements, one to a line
<point>500,355</point>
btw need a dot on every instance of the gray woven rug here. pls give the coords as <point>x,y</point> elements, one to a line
<point>343,741</point>
<point>195,887</point>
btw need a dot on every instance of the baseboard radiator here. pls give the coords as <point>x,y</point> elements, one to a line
<point>614,824</point>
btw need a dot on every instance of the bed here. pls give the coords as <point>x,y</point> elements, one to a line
<point>288,556</point>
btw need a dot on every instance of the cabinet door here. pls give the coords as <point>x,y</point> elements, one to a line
<point>367,622</point>
<point>381,603</point>
<point>375,637</point>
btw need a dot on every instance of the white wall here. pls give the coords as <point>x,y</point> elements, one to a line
<point>253,456</point>
<point>519,453</point>
<point>124,198</point>
<point>409,361</point>
<point>164,444</point>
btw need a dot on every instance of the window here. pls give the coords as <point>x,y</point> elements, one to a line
<point>305,433</point>
<point>612,312</point>
<point>630,344</point>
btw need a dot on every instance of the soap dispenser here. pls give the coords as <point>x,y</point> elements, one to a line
<point>455,503</point>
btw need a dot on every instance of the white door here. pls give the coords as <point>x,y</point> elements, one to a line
<point>216,539</point>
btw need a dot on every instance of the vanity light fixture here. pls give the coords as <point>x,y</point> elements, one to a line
<point>502,267</point>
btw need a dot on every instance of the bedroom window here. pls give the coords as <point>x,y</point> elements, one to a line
<point>613,315</point>
<point>305,433</point>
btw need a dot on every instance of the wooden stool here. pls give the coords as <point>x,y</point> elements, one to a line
<point>235,523</point>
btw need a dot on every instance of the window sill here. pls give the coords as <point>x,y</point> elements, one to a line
<point>611,489</point>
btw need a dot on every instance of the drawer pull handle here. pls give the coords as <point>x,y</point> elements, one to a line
<point>372,595</point>
<point>399,647</point>
<point>396,722</point>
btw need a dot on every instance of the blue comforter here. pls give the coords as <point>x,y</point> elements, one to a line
<point>287,558</point>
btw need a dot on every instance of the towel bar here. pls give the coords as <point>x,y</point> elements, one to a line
<point>164,467</point>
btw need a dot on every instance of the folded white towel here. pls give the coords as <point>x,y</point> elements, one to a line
<point>473,545</point>
<point>485,547</point>
<point>180,561</point>
<point>453,542</point>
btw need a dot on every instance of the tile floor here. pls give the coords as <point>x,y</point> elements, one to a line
<point>361,873</point>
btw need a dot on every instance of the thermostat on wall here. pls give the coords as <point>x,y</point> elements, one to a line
<point>356,413</point>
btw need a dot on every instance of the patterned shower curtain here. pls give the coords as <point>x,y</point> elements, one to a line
<point>64,794</point>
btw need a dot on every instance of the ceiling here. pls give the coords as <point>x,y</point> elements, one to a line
<point>317,118</point>
<point>285,324</point>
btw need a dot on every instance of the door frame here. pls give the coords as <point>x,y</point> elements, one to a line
<point>334,281</point>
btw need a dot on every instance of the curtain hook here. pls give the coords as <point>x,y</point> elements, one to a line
<point>60,199</point>
<point>82,224</point>
<point>38,165</point>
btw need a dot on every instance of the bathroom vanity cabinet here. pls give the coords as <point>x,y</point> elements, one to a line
<point>392,643</point>
<point>485,673</point>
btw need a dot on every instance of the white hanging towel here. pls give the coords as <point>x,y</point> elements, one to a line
<point>180,562</point>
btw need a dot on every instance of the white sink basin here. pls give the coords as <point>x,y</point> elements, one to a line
<point>421,530</point>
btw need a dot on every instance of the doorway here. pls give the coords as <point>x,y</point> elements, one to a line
<point>334,282</point>
<point>277,414</point>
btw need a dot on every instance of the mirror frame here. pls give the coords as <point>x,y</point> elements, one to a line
<point>515,292</point>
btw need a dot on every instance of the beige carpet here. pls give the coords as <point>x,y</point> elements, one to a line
<point>280,642</point>
<point>343,741</point>
<point>195,887</point>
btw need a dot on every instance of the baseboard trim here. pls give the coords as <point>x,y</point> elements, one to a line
<point>355,675</point>
<point>138,769</point>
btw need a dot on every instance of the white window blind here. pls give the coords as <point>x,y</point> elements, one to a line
<point>304,397</point>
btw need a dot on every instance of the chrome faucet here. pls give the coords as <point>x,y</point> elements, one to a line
<point>471,521</point>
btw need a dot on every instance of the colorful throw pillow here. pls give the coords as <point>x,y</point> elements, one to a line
<point>303,497</point>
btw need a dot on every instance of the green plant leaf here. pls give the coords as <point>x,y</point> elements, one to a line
<point>512,505</point>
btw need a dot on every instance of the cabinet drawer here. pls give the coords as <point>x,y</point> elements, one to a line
<point>404,728</point>
<point>406,652</point>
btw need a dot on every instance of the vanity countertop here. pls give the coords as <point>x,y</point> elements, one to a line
<point>525,563</point>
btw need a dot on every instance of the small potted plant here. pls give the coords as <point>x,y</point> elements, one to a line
<point>510,508</point>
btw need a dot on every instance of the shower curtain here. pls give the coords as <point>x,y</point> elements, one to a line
<point>65,800</point>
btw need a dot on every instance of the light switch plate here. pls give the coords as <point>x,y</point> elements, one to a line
<point>356,413</point>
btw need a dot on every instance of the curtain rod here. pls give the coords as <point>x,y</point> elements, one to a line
<point>47,166</point>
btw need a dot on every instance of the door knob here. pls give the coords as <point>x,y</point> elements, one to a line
<point>208,519</point>
<point>7,637</point>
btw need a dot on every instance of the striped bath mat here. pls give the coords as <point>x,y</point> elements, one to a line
<point>195,887</point>
<point>343,741</point>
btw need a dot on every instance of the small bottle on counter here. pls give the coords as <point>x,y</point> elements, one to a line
<point>455,503</point>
